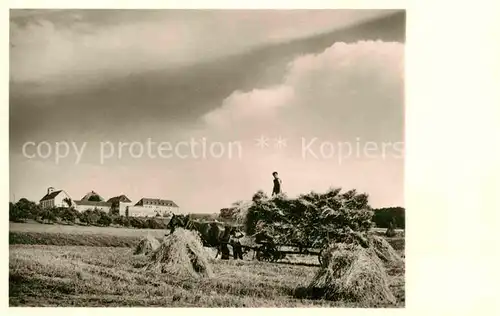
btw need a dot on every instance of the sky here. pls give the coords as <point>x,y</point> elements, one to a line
<point>201,106</point>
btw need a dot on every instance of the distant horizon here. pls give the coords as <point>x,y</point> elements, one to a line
<point>151,197</point>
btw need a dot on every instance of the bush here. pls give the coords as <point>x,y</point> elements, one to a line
<point>154,223</point>
<point>48,215</point>
<point>137,222</point>
<point>126,221</point>
<point>117,220</point>
<point>68,215</point>
<point>104,219</point>
<point>90,217</point>
<point>59,212</point>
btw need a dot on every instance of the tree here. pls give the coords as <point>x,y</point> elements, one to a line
<point>68,202</point>
<point>58,211</point>
<point>115,208</point>
<point>117,220</point>
<point>48,215</point>
<point>90,217</point>
<point>28,209</point>
<point>383,216</point>
<point>104,219</point>
<point>68,215</point>
<point>125,221</point>
<point>17,214</point>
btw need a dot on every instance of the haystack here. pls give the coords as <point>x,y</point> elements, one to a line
<point>147,246</point>
<point>352,273</point>
<point>384,251</point>
<point>181,253</point>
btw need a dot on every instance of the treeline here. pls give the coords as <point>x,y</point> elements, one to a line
<point>25,209</point>
<point>383,216</point>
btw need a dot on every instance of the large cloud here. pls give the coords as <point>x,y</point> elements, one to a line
<point>86,45</point>
<point>348,91</point>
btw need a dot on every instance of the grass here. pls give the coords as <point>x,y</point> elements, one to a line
<point>88,230</point>
<point>93,266</point>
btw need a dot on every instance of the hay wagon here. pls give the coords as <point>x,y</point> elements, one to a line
<point>271,249</point>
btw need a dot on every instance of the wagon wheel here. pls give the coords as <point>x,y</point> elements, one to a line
<point>260,253</point>
<point>320,256</point>
<point>264,253</point>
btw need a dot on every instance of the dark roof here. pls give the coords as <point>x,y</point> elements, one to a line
<point>90,194</point>
<point>50,196</point>
<point>92,203</point>
<point>151,201</point>
<point>120,198</point>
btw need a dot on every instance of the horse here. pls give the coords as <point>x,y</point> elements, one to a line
<point>213,234</point>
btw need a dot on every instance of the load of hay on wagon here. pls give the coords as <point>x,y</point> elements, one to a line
<point>310,219</point>
<point>354,260</point>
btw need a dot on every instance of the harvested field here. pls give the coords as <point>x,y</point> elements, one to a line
<point>83,269</point>
<point>111,276</point>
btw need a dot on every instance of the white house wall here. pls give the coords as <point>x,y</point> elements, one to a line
<point>146,211</point>
<point>59,199</point>
<point>83,208</point>
<point>123,207</point>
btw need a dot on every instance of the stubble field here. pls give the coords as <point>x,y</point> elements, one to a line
<point>54,265</point>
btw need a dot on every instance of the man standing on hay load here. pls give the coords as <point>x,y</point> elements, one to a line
<point>276,184</point>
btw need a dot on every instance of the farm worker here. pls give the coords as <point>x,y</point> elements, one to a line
<point>224,241</point>
<point>277,184</point>
<point>235,242</point>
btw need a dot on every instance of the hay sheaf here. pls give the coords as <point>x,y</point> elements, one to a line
<point>352,273</point>
<point>147,246</point>
<point>385,251</point>
<point>379,245</point>
<point>181,253</point>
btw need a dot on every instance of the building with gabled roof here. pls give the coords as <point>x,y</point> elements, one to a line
<point>120,204</point>
<point>120,198</point>
<point>93,196</point>
<point>153,207</point>
<point>91,201</point>
<point>155,202</point>
<point>55,198</point>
